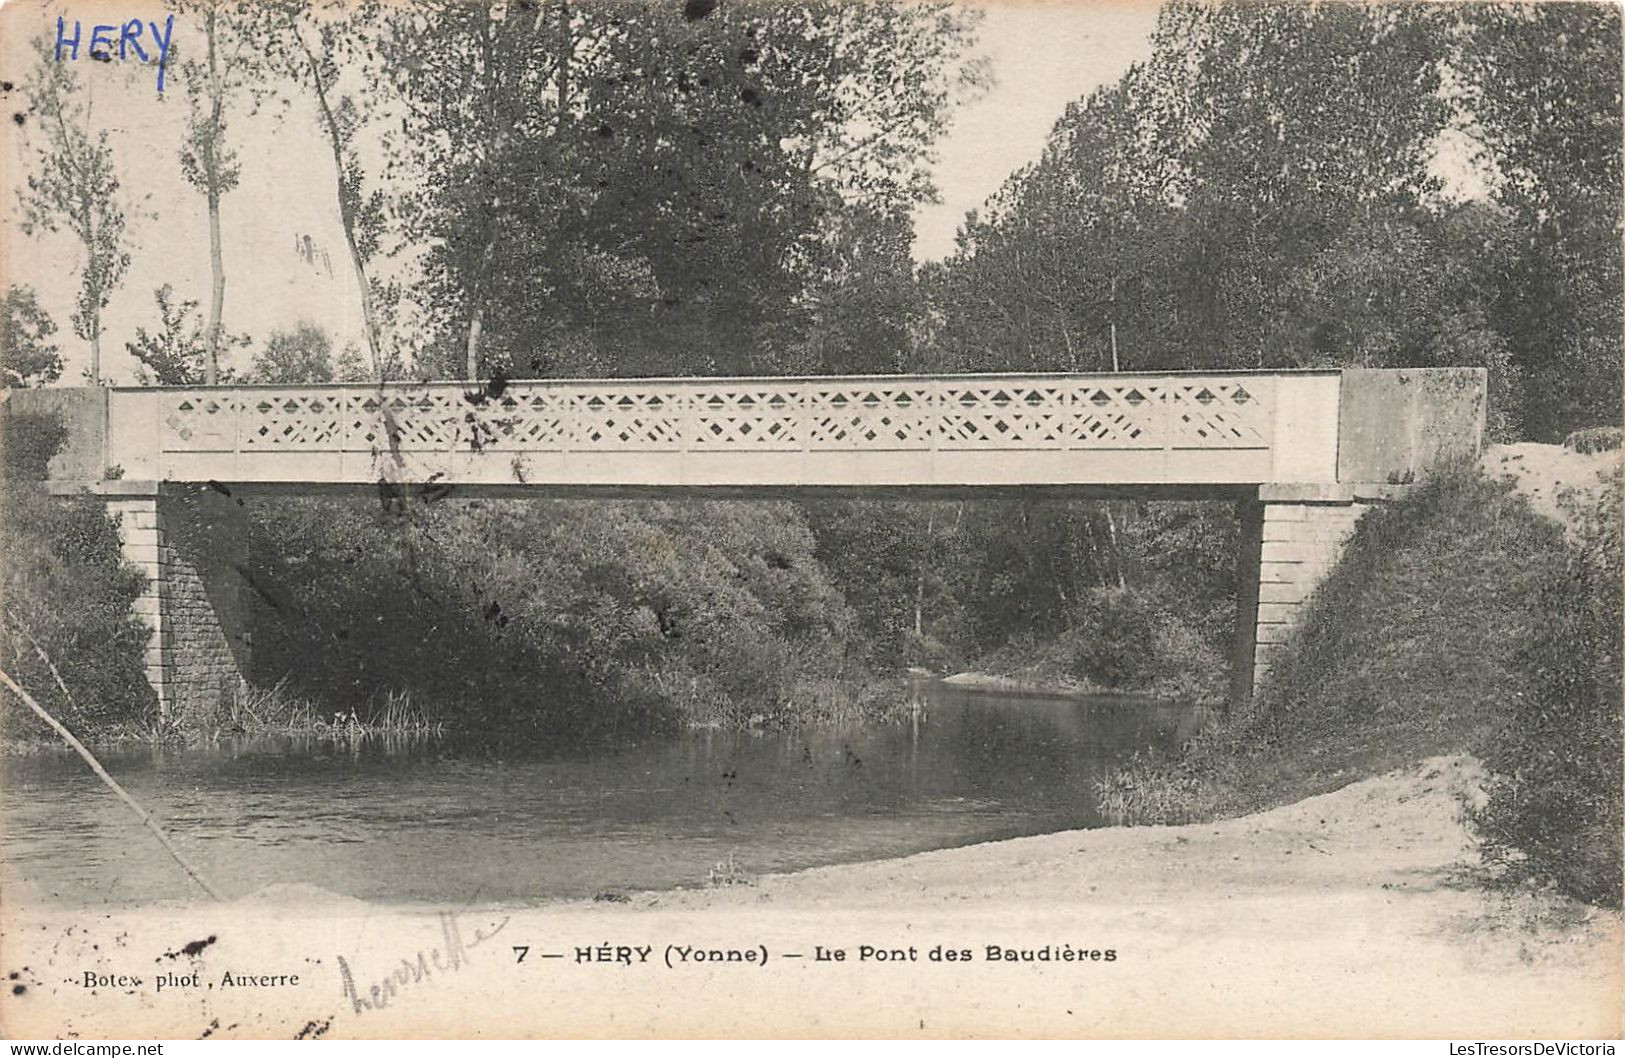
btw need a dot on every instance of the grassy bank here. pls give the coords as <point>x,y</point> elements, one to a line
<point>1434,635</point>
<point>276,711</point>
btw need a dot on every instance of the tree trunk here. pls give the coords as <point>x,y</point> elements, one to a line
<point>476,316</point>
<point>1117,554</point>
<point>91,288</point>
<point>1115,365</point>
<point>93,322</point>
<point>369,317</point>
<point>480,293</point>
<point>919,580</point>
<point>211,171</point>
<point>346,215</point>
<point>567,47</point>
<point>476,319</point>
<point>217,293</point>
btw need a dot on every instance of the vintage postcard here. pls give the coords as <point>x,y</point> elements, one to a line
<point>810,518</point>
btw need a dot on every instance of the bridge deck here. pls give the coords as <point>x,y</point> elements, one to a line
<point>755,433</point>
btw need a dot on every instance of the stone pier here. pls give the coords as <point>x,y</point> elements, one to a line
<point>1291,537</point>
<point>1300,543</point>
<point>191,544</point>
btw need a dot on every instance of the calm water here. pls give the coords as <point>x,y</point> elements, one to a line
<point>436,825</point>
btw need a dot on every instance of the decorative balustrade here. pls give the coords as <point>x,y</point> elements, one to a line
<point>742,433</point>
<point>709,415</point>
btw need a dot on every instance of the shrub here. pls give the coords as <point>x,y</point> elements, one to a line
<point>1112,636</point>
<point>1188,668</point>
<point>1594,439</point>
<point>1553,814</point>
<point>29,441</point>
<point>1126,639</point>
<point>67,586</point>
<point>1148,792</point>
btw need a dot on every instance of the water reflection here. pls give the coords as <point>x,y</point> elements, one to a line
<point>420,822</point>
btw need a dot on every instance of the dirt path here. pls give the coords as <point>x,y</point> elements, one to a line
<point>1343,915</point>
<point>1557,481</point>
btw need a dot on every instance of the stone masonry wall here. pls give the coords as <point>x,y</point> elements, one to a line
<point>1301,544</point>
<point>143,546</point>
<point>185,544</point>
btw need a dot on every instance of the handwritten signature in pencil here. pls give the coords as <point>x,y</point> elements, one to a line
<point>424,966</point>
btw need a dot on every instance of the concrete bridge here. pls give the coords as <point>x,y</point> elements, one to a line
<point>1303,454</point>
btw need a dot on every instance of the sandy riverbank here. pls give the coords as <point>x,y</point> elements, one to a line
<point>1343,915</point>
<point>995,684</point>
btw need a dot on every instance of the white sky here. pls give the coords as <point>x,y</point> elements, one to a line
<point>1042,56</point>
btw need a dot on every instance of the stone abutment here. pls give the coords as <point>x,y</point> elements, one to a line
<point>191,543</point>
<point>1291,538</point>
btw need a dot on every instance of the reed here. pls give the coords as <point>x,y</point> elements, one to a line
<point>728,872</point>
<point>276,710</point>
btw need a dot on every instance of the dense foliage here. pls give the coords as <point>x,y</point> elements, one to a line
<point>68,593</point>
<point>1554,808</point>
<point>558,619</point>
<point>176,353</point>
<point>666,189</point>
<point>28,357</point>
<point>1032,586</point>
<point>73,187</point>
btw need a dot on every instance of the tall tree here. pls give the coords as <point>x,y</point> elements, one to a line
<point>1541,84</point>
<point>664,184</point>
<point>74,187</point>
<point>1295,116</point>
<point>480,86</point>
<point>1164,224</point>
<point>207,160</point>
<point>859,308</point>
<point>1068,266</point>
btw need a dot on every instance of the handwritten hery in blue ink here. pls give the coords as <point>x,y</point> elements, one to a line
<point>125,37</point>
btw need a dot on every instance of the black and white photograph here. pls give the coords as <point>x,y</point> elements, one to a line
<point>811,519</point>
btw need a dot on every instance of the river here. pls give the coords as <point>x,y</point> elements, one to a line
<point>429,823</point>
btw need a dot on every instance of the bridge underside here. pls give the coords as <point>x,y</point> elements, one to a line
<point>191,541</point>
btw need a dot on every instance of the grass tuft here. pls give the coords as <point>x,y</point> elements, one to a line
<point>1594,439</point>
